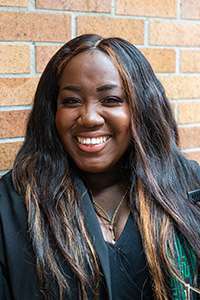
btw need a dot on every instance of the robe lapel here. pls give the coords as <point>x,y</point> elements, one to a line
<point>94,230</point>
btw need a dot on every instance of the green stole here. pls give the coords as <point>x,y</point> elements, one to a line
<point>187,266</point>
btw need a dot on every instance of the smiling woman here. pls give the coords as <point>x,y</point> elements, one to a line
<point>101,203</point>
<point>92,118</point>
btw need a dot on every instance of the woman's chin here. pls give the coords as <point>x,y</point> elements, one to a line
<point>94,167</point>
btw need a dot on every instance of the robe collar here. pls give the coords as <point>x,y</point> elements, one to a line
<point>94,230</point>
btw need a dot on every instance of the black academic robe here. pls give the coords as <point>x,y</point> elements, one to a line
<point>18,280</point>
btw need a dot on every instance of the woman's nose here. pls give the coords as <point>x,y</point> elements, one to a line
<point>90,117</point>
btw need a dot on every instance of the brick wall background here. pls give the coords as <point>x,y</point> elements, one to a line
<point>167,31</point>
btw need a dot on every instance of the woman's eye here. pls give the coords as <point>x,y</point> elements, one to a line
<point>70,102</point>
<point>112,101</point>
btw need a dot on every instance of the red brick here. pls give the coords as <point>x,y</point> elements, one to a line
<point>132,30</point>
<point>156,8</point>
<point>190,9</point>
<point>21,3</point>
<point>194,155</point>
<point>181,87</point>
<point>189,137</point>
<point>189,113</point>
<point>8,152</point>
<point>14,59</point>
<point>34,26</point>
<point>17,91</point>
<point>43,55</point>
<point>162,60</point>
<point>190,60</point>
<point>78,5</point>
<point>174,33</point>
<point>13,123</point>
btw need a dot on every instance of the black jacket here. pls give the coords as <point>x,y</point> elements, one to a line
<point>18,279</point>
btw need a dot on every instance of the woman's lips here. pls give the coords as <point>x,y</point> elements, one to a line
<point>92,144</point>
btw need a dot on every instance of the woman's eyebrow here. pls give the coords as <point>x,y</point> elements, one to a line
<point>71,87</point>
<point>106,87</point>
<point>77,88</point>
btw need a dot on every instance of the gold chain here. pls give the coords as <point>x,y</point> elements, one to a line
<point>111,220</point>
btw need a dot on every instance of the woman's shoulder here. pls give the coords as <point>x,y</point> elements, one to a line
<point>6,186</point>
<point>10,200</point>
<point>194,193</point>
<point>6,178</point>
<point>6,181</point>
<point>195,166</point>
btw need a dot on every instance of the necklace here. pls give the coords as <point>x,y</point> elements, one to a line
<point>110,220</point>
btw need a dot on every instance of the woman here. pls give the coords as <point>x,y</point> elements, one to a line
<point>101,203</point>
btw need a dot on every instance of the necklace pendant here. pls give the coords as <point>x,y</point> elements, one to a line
<point>110,228</point>
<point>113,235</point>
<point>110,224</point>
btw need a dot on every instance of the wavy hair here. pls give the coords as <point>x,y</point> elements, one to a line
<point>163,175</point>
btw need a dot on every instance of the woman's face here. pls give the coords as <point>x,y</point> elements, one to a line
<point>92,117</point>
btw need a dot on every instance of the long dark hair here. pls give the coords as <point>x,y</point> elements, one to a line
<point>163,175</point>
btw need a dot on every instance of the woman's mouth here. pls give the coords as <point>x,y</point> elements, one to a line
<point>92,144</point>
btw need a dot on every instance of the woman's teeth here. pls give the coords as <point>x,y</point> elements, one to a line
<point>92,141</point>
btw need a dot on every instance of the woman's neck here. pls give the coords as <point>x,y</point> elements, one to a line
<point>97,182</point>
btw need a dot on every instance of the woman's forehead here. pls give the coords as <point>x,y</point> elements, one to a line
<point>93,65</point>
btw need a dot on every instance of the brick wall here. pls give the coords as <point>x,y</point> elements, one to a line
<point>167,31</point>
